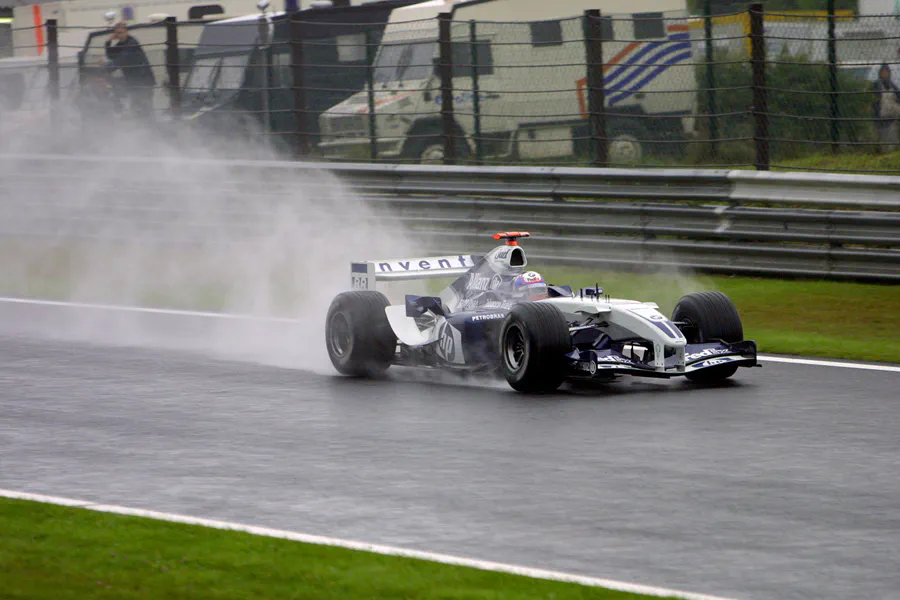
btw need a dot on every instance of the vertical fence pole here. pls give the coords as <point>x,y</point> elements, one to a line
<point>712,108</point>
<point>297,83</point>
<point>476,91</point>
<point>173,66</point>
<point>266,44</point>
<point>758,83</point>
<point>370,82</point>
<point>53,67</point>
<point>833,81</point>
<point>446,70</point>
<point>593,36</point>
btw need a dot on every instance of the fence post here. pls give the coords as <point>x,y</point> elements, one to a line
<point>297,83</point>
<point>266,96</point>
<point>53,67</point>
<point>712,108</point>
<point>758,83</point>
<point>173,66</point>
<point>446,71</point>
<point>476,92</point>
<point>593,42</point>
<point>371,50</point>
<point>833,81</point>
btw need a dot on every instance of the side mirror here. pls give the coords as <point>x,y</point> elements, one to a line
<point>416,306</point>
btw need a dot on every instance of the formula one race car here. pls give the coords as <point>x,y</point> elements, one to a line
<point>499,317</point>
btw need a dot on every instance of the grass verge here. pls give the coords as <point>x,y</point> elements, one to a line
<point>61,553</point>
<point>848,162</point>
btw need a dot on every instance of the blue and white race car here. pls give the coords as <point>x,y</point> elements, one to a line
<point>499,316</point>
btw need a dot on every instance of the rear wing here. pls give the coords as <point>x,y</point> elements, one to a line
<point>363,275</point>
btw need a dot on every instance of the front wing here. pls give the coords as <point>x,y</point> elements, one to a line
<point>600,363</point>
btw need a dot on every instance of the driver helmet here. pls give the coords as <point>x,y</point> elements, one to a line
<point>529,286</point>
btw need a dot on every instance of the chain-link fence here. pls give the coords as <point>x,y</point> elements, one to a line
<point>748,90</point>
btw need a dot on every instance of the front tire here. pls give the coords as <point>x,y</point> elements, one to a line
<point>430,150</point>
<point>709,316</point>
<point>358,337</point>
<point>533,343</point>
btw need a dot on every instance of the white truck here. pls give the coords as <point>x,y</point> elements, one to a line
<point>532,81</point>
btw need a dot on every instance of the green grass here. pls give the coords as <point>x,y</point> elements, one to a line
<point>848,162</point>
<point>59,553</point>
<point>805,317</point>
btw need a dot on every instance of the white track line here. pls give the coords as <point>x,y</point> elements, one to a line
<point>244,317</point>
<point>621,586</point>
<point>141,309</point>
<point>827,363</point>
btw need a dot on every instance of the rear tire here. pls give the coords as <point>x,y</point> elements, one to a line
<point>358,337</point>
<point>533,343</point>
<point>711,316</point>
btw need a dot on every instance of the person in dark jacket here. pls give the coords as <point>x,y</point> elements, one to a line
<point>127,55</point>
<point>887,109</point>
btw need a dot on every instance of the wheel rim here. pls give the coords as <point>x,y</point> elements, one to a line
<point>433,154</point>
<point>514,348</point>
<point>625,149</point>
<point>340,340</point>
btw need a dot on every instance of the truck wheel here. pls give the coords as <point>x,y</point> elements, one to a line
<point>533,344</point>
<point>359,338</point>
<point>625,149</point>
<point>430,150</point>
<point>709,316</point>
<point>432,153</point>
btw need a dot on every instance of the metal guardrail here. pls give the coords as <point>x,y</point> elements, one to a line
<point>835,226</point>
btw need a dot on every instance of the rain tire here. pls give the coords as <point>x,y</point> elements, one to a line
<point>712,316</point>
<point>358,336</point>
<point>534,342</point>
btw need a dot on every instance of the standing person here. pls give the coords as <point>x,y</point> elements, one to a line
<point>887,109</point>
<point>126,54</point>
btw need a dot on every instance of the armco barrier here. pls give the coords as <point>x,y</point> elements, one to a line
<point>834,226</point>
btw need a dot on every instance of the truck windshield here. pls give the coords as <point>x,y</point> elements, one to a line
<point>405,62</point>
<point>221,58</point>
<point>211,76</point>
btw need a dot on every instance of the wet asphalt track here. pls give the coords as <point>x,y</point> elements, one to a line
<point>784,484</point>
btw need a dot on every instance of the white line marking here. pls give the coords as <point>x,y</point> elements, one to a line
<point>621,586</point>
<point>245,317</point>
<point>141,309</point>
<point>828,363</point>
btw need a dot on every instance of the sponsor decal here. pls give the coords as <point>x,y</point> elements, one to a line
<point>460,98</point>
<point>616,359</point>
<point>586,366</point>
<point>483,283</point>
<point>715,361</point>
<point>705,353</point>
<point>446,345</point>
<point>489,317</point>
<point>425,264</point>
